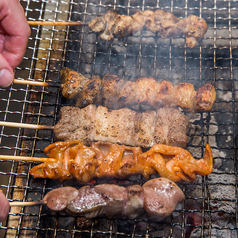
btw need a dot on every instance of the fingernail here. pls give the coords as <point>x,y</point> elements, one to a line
<point>6,77</point>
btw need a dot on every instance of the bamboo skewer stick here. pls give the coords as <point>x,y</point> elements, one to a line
<point>13,204</point>
<point>36,83</point>
<point>25,125</point>
<point>27,159</point>
<point>56,23</point>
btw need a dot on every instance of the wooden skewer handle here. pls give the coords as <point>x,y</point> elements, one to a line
<point>25,125</point>
<point>55,23</point>
<point>26,158</point>
<point>13,204</point>
<point>36,83</point>
<point>28,82</point>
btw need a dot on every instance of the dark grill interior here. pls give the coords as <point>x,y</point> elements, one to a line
<point>210,208</point>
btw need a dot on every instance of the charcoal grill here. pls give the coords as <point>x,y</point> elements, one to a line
<point>210,208</point>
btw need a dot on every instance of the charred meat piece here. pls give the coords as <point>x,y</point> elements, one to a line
<point>104,24</point>
<point>144,93</point>
<point>193,28</point>
<point>163,23</point>
<point>75,85</point>
<point>124,126</point>
<point>158,198</point>
<point>108,160</point>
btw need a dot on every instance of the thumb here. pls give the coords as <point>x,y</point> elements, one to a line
<point>4,206</point>
<point>6,72</point>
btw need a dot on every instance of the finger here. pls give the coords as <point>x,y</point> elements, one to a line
<point>6,72</point>
<point>17,30</point>
<point>4,207</point>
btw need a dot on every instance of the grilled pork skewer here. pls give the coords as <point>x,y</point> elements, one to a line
<point>145,93</point>
<point>166,126</point>
<point>158,198</point>
<point>165,24</point>
<point>75,160</point>
<point>124,126</point>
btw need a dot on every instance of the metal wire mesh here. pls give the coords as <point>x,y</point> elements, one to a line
<point>210,208</point>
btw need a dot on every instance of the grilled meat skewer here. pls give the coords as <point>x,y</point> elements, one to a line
<point>158,198</point>
<point>165,24</point>
<point>124,126</point>
<point>103,159</point>
<point>145,93</point>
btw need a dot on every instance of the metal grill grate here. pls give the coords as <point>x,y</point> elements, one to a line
<point>210,208</point>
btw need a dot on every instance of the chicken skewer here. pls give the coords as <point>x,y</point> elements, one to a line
<point>75,160</point>
<point>158,198</point>
<point>165,24</point>
<point>144,93</point>
<point>166,126</point>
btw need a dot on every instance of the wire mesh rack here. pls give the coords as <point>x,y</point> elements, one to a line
<point>210,208</point>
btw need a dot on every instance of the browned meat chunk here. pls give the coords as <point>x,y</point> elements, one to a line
<point>144,93</point>
<point>194,28</point>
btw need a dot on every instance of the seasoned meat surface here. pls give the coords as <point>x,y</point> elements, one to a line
<point>143,94</point>
<point>124,126</point>
<point>171,127</point>
<point>165,24</point>
<point>76,123</point>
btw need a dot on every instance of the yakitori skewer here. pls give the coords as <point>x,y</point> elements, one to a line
<point>72,159</point>
<point>165,24</point>
<point>123,126</point>
<point>156,199</point>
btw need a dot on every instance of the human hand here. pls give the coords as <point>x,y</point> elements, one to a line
<point>14,34</point>
<point>4,206</point>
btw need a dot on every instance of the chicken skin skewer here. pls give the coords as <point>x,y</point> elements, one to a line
<point>165,24</point>
<point>144,93</point>
<point>103,159</point>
